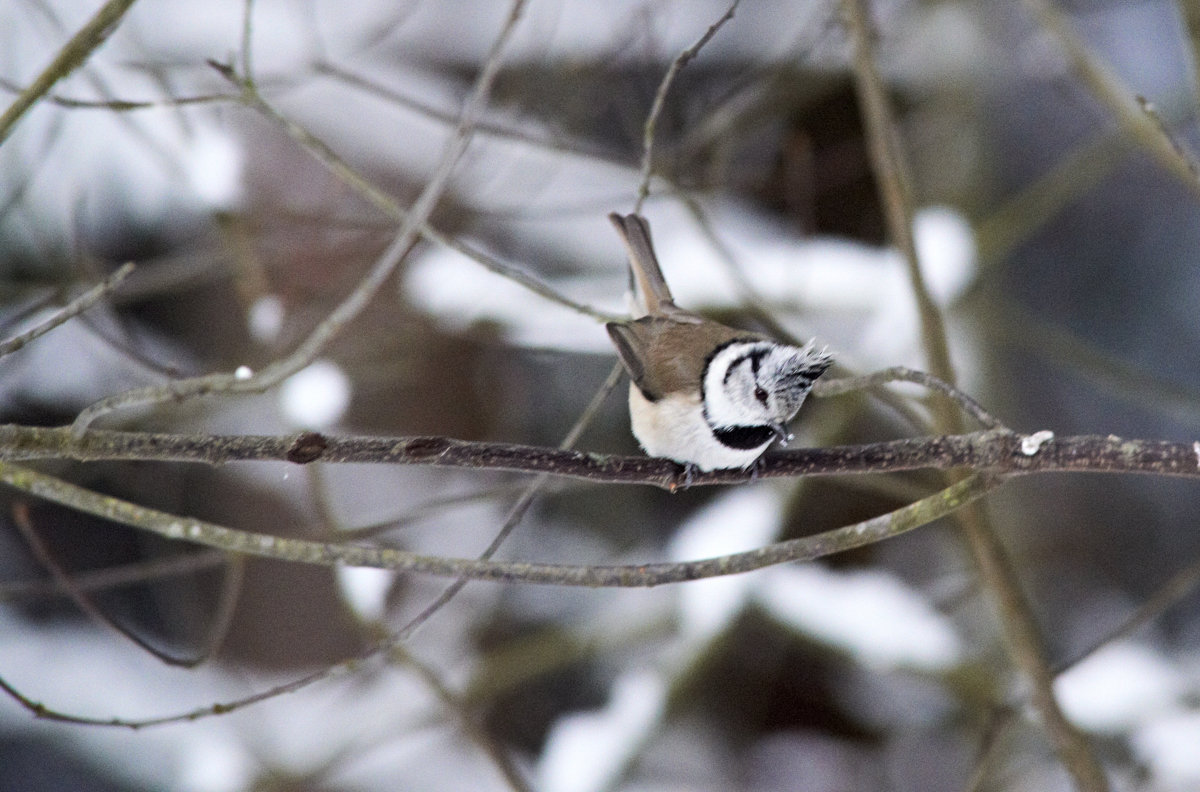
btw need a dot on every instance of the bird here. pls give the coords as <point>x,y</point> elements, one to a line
<point>705,395</point>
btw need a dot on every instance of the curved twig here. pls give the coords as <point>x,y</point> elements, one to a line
<point>306,551</point>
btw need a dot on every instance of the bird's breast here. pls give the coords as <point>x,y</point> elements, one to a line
<point>674,427</point>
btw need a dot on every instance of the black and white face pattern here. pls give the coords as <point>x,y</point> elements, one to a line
<point>751,389</point>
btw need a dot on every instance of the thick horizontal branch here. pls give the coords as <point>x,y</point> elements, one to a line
<point>993,451</point>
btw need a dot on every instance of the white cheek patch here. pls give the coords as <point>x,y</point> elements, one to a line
<point>725,399</point>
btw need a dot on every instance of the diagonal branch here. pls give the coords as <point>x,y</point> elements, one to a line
<point>68,59</point>
<point>68,311</point>
<point>660,100</point>
<point>358,299</point>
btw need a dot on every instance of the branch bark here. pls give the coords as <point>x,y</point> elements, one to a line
<point>996,451</point>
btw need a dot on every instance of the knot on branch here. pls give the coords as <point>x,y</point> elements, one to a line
<point>425,447</point>
<point>308,447</point>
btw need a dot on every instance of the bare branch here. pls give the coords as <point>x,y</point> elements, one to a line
<point>69,58</point>
<point>354,303</point>
<point>994,451</point>
<point>895,189</point>
<point>392,208</point>
<point>995,570</point>
<point>68,311</point>
<point>40,710</point>
<point>660,98</point>
<point>305,551</point>
<point>1127,108</point>
<point>457,704</point>
<point>115,576</point>
<point>517,512</point>
<point>905,374</point>
<point>1178,586</point>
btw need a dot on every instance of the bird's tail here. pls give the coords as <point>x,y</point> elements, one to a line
<point>651,291</point>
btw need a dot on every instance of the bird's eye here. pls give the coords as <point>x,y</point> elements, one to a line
<point>760,393</point>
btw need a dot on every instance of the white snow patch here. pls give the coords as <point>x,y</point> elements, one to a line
<point>213,163</point>
<point>587,752</point>
<point>317,396</point>
<point>365,590</point>
<point>217,761</point>
<point>1169,746</point>
<point>742,519</point>
<point>946,250</point>
<point>1118,687</point>
<point>870,614</point>
<point>265,318</point>
<point>1031,444</point>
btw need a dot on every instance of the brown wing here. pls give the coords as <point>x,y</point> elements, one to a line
<point>664,355</point>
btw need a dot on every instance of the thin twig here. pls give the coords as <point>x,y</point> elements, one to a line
<point>904,374</point>
<point>469,723</point>
<point>222,708</point>
<point>121,105</point>
<point>24,524</point>
<point>353,304</point>
<point>247,49</point>
<point>68,311</point>
<point>517,512</point>
<point>660,99</point>
<point>1112,92</point>
<point>491,129</point>
<point>385,203</point>
<point>749,296</point>
<point>1115,374</point>
<point>69,58</point>
<point>995,731</point>
<point>1178,586</point>
<point>427,509</point>
<point>67,583</point>
<point>107,578</point>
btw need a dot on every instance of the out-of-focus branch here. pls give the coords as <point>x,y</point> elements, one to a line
<point>337,320</point>
<point>385,203</point>
<point>68,311</point>
<point>1129,109</point>
<point>68,59</point>
<point>905,519</point>
<point>305,551</point>
<point>660,98</point>
<point>996,572</point>
<point>520,507</point>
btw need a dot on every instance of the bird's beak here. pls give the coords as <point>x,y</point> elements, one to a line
<point>782,434</point>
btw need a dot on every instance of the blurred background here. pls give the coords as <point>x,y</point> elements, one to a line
<point>1057,228</point>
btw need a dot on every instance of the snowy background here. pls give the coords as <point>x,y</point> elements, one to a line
<point>1061,248</point>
